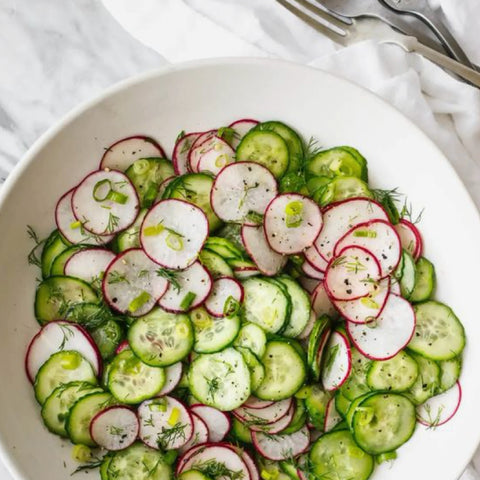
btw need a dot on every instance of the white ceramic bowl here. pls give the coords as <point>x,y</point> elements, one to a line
<point>199,96</point>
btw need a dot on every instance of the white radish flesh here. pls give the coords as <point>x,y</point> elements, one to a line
<point>243,273</point>
<point>309,327</point>
<point>321,303</point>
<point>440,409</point>
<point>313,257</point>
<point>192,288</point>
<point>200,434</point>
<point>217,422</point>
<point>173,375</point>
<point>180,152</point>
<point>268,414</point>
<point>241,191</point>
<point>410,238</point>
<point>312,272</point>
<point>215,155</point>
<point>226,294</point>
<point>256,403</point>
<point>388,334</point>
<point>241,128</point>
<point>173,233</point>
<point>105,202</point>
<point>337,362</point>
<point>275,427</point>
<point>197,148</point>
<point>332,417</point>
<point>292,223</point>
<point>252,467</point>
<point>281,447</point>
<point>89,264</point>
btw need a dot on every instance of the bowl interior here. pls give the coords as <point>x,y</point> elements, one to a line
<point>211,94</point>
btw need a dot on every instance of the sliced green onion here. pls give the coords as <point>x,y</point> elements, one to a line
<point>174,241</point>
<point>369,303</point>
<point>158,405</point>
<point>386,457</point>
<point>221,161</point>
<point>139,302</point>
<point>117,197</point>
<point>294,208</point>
<point>82,453</point>
<point>154,230</point>
<point>293,221</point>
<point>188,300</point>
<point>365,233</point>
<point>71,360</point>
<point>366,415</point>
<point>230,307</point>
<point>174,416</point>
<point>254,217</point>
<point>201,318</point>
<point>141,166</point>
<point>100,196</point>
<point>75,225</point>
<point>356,452</point>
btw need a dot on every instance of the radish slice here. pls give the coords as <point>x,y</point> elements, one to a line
<point>309,327</point>
<point>243,191</point>
<point>256,403</point>
<point>395,287</point>
<point>217,453</point>
<point>309,284</point>
<point>353,274</point>
<point>315,259</point>
<point>275,427</point>
<point>89,264</point>
<point>56,336</point>
<point>218,423</point>
<point>321,303</point>
<point>193,287</point>
<point>322,347</point>
<point>241,128</point>
<point>200,434</point>
<point>123,153</point>
<point>243,273</point>
<point>180,153</point>
<point>173,233</point>
<point>312,272</point>
<point>332,417</point>
<point>187,456</point>
<point>131,284</point>
<point>160,417</point>
<point>252,466</point>
<point>114,428</point>
<point>365,309</point>
<point>388,334</point>
<point>292,223</point>
<point>226,294</point>
<point>337,362</point>
<point>197,148</point>
<point>281,447</point>
<point>123,345</point>
<point>163,186</point>
<point>267,260</point>
<point>440,409</point>
<point>378,237</point>
<point>71,228</point>
<point>213,155</point>
<point>105,202</point>
<point>266,415</point>
<point>341,216</point>
<point>173,375</point>
<point>410,237</point>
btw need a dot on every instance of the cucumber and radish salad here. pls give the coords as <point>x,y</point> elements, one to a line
<point>250,309</point>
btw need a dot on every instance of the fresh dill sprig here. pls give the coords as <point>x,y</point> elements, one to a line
<point>112,223</point>
<point>217,470</point>
<point>32,256</point>
<point>213,385</point>
<point>407,212</point>
<point>116,277</point>
<point>169,275</point>
<point>332,355</point>
<point>169,436</point>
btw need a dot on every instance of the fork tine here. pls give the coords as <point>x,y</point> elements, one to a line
<point>324,14</point>
<point>319,27</point>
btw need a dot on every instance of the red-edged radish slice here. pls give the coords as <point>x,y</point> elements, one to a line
<point>215,155</point>
<point>89,264</point>
<point>337,362</point>
<point>224,453</point>
<point>395,287</point>
<point>266,415</point>
<point>281,447</point>
<point>309,284</point>
<point>256,403</point>
<point>243,273</point>
<point>121,154</point>
<point>321,303</point>
<point>173,233</point>
<point>106,202</point>
<point>309,327</point>
<point>388,334</point>
<point>226,295</point>
<point>200,434</point>
<point>163,186</point>
<point>131,284</point>
<point>322,347</point>
<point>123,345</point>
<point>197,147</point>
<point>340,217</point>
<point>56,336</point>
<point>354,273</point>
<point>242,191</point>
<point>252,466</point>
<point>190,453</point>
<point>440,409</point>
<point>180,152</point>
<point>378,237</point>
<point>173,375</point>
<point>267,260</point>
<point>241,128</point>
<point>275,427</point>
<point>315,259</point>
<point>218,423</point>
<point>193,287</point>
<point>365,309</point>
<point>312,272</point>
<point>71,228</point>
<point>114,428</point>
<point>158,417</point>
<point>332,417</point>
<point>292,223</point>
<point>410,237</point>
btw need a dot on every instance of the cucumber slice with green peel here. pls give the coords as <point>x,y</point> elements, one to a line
<point>129,238</point>
<point>266,148</point>
<point>439,334</point>
<point>342,403</point>
<point>104,467</point>
<point>195,188</point>
<point>383,422</point>
<point>232,232</point>
<point>449,373</point>
<point>320,329</point>
<point>161,338</point>
<point>257,370</point>
<point>132,381</point>
<point>61,368</point>
<point>220,380</point>
<point>223,247</point>
<point>58,265</point>
<point>357,384</point>
<point>337,452</point>
<point>82,413</point>
<point>253,337</point>
<point>139,462</point>
<point>397,374</point>
<point>299,417</point>
<point>285,372</point>
<point>193,475</point>
<point>353,408</point>
<point>408,278</point>
<point>360,159</point>
<point>424,280</point>
<point>54,246</point>
<point>266,304</point>
<point>90,315</point>
<point>342,188</point>
<point>57,294</point>
<point>215,264</point>
<point>427,382</point>
<point>107,337</point>
<point>146,175</point>
<point>241,431</point>
<point>213,334</point>
<point>57,406</point>
<point>336,162</point>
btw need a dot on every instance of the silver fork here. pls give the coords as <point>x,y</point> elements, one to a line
<point>349,31</point>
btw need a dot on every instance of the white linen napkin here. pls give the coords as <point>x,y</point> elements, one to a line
<point>446,109</point>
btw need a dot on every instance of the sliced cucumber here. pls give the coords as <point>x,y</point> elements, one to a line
<point>407,280</point>
<point>257,370</point>
<point>223,247</point>
<point>317,341</point>
<point>342,403</point>
<point>107,337</point>
<point>397,374</point>
<point>449,373</point>
<point>193,475</point>
<point>53,247</point>
<point>130,238</point>
<point>427,382</point>
<point>89,315</point>
<point>335,162</point>
<point>424,280</point>
<point>241,431</point>
<point>341,188</point>
<point>215,264</point>
<point>58,265</point>
<point>253,337</point>
<point>357,383</point>
<point>299,418</point>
